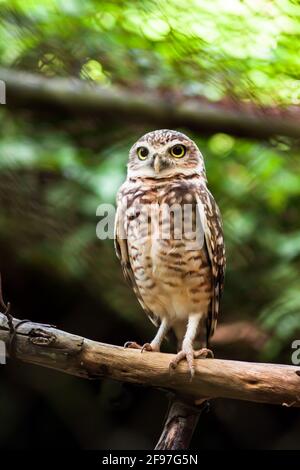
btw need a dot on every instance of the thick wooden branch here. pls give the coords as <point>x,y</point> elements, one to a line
<point>49,347</point>
<point>151,108</point>
<point>180,423</point>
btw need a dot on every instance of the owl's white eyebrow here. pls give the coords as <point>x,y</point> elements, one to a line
<point>165,146</point>
<point>141,144</point>
<point>176,142</point>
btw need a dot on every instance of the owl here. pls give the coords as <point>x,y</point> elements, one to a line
<point>169,240</point>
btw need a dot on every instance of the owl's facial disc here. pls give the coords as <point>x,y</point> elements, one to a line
<point>164,154</point>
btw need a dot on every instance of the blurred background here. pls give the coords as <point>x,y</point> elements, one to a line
<point>228,75</point>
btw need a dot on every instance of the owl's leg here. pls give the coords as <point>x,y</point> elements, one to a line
<point>155,343</point>
<point>187,351</point>
<point>157,340</point>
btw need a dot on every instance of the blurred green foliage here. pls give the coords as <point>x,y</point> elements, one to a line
<point>245,51</point>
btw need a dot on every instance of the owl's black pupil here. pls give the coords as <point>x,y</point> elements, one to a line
<point>177,150</point>
<point>143,152</point>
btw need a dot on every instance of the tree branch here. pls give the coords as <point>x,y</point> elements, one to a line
<point>158,109</point>
<point>49,347</point>
<point>180,423</point>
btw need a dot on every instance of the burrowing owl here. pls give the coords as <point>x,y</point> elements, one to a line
<point>176,274</point>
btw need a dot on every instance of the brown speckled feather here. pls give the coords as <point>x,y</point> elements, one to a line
<point>121,248</point>
<point>213,231</point>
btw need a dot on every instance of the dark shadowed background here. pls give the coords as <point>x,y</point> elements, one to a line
<point>59,161</point>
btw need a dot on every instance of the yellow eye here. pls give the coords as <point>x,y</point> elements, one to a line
<point>178,151</point>
<point>142,153</point>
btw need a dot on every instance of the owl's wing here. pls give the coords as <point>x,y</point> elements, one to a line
<point>211,222</point>
<point>121,248</point>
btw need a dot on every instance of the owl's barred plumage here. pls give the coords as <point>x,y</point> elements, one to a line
<point>177,277</point>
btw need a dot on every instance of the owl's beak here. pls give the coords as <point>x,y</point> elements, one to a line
<point>156,163</point>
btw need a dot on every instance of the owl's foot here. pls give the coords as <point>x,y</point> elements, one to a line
<point>145,347</point>
<point>149,347</point>
<point>187,353</point>
<point>190,355</point>
<point>204,353</point>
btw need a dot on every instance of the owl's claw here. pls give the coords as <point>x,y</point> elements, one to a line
<point>147,347</point>
<point>204,353</point>
<point>189,354</point>
<point>134,345</point>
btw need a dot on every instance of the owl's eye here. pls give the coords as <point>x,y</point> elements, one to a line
<point>142,153</point>
<point>178,151</point>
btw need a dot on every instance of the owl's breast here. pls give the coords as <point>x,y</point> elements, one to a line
<point>172,278</point>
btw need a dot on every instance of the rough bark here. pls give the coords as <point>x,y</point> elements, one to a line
<point>180,423</point>
<point>49,347</point>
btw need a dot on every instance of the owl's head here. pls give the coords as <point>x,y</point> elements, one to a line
<point>163,154</point>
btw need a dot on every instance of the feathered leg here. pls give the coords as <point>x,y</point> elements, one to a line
<point>187,351</point>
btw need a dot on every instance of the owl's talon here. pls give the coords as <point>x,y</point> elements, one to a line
<point>204,353</point>
<point>190,361</point>
<point>190,355</point>
<point>192,373</point>
<point>147,347</point>
<point>132,345</point>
